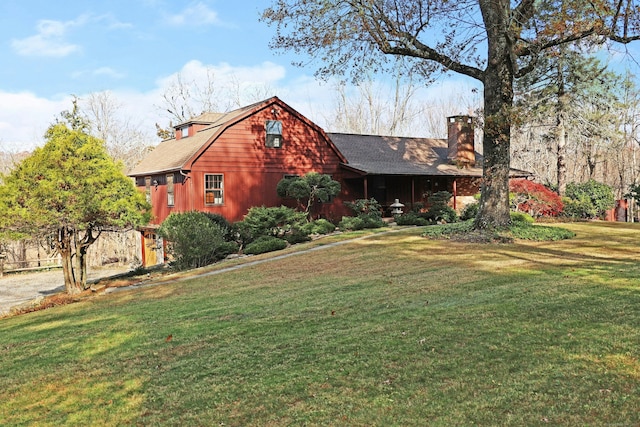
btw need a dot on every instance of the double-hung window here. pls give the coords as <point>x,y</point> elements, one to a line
<point>170,196</point>
<point>213,189</point>
<point>274,133</point>
<point>147,188</point>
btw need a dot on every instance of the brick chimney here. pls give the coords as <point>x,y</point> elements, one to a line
<point>461,140</point>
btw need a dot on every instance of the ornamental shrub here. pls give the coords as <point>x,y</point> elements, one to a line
<point>439,210</point>
<point>265,244</point>
<point>534,198</point>
<point>411,218</point>
<point>368,215</point>
<point>194,240</point>
<point>521,218</point>
<point>588,200</point>
<point>470,211</point>
<point>308,189</point>
<point>318,226</point>
<point>365,207</point>
<point>274,221</point>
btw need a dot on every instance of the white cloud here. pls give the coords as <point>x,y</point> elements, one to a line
<point>99,72</point>
<point>49,40</point>
<point>24,118</point>
<point>196,14</point>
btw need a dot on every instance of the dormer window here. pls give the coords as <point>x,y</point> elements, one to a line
<point>274,133</point>
<point>184,131</point>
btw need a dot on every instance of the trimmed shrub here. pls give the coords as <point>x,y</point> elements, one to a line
<point>275,221</point>
<point>265,244</point>
<point>411,218</point>
<point>351,223</point>
<point>194,240</point>
<point>470,211</point>
<point>365,207</point>
<point>534,198</point>
<point>521,218</point>
<point>440,209</point>
<point>297,236</point>
<point>588,200</point>
<point>308,189</point>
<point>368,215</point>
<point>318,226</point>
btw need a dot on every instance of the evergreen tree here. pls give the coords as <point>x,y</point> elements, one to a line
<point>71,191</point>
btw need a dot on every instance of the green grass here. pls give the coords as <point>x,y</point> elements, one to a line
<point>393,330</point>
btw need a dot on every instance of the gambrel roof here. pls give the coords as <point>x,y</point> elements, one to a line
<point>179,154</point>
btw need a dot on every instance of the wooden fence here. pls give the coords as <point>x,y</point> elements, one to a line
<point>28,265</point>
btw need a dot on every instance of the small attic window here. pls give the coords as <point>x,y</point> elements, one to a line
<point>184,131</point>
<point>274,133</point>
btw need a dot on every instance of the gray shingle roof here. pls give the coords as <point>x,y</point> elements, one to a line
<point>388,155</point>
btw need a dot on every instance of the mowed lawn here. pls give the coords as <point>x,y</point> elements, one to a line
<point>392,330</point>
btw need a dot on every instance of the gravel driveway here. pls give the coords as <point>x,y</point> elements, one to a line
<point>18,288</point>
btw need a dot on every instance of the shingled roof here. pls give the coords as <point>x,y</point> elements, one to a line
<point>389,155</point>
<point>173,154</point>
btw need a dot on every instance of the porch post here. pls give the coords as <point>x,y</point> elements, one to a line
<point>144,249</point>
<point>366,187</point>
<point>455,194</point>
<point>413,192</point>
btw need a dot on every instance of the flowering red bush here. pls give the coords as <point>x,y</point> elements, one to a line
<point>534,199</point>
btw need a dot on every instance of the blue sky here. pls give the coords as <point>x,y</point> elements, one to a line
<point>134,49</point>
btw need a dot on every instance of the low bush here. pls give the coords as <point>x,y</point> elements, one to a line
<point>446,231</point>
<point>365,207</point>
<point>194,240</point>
<point>297,236</point>
<point>318,226</point>
<point>351,223</point>
<point>522,228</point>
<point>521,218</point>
<point>470,211</point>
<point>274,221</point>
<point>588,200</point>
<point>439,210</point>
<point>540,233</point>
<point>368,215</point>
<point>411,218</point>
<point>265,244</point>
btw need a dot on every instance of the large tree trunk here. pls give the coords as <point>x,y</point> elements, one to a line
<point>498,102</point>
<point>64,245</point>
<point>562,155</point>
<point>561,129</point>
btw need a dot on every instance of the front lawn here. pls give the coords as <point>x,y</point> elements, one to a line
<point>393,330</point>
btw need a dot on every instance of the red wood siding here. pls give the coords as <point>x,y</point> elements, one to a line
<point>251,170</point>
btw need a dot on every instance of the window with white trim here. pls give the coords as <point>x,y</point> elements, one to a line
<point>274,133</point>
<point>213,189</point>
<point>170,196</point>
<point>147,188</point>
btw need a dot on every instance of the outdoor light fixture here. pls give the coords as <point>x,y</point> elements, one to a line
<point>396,207</point>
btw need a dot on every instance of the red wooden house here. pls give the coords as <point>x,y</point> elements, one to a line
<point>226,163</point>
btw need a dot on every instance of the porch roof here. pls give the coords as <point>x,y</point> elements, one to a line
<point>390,155</point>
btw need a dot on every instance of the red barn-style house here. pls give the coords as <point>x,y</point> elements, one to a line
<point>226,163</point>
